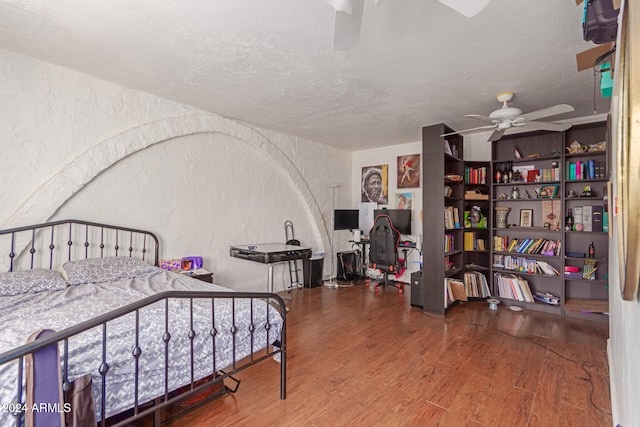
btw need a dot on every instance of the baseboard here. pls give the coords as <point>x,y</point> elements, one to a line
<point>612,384</point>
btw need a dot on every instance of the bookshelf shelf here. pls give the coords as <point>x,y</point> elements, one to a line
<point>590,282</point>
<point>523,273</point>
<point>517,183</point>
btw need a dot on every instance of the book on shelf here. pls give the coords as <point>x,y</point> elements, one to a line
<point>548,269</point>
<point>456,218</point>
<point>513,287</point>
<point>468,240</point>
<point>571,275</point>
<point>589,269</point>
<point>449,242</point>
<point>499,243</point>
<point>596,218</point>
<point>475,175</point>
<point>577,216</point>
<point>476,285</point>
<point>587,215</point>
<point>454,290</point>
<point>451,217</point>
<point>547,298</point>
<point>581,170</point>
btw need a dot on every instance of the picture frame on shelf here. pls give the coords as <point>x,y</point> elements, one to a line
<point>447,148</point>
<point>550,191</point>
<point>526,217</point>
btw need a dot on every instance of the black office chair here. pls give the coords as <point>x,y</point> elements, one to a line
<point>383,252</point>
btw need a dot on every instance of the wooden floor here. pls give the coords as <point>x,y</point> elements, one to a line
<point>360,359</point>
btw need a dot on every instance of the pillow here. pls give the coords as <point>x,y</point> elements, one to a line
<point>30,281</point>
<point>98,270</point>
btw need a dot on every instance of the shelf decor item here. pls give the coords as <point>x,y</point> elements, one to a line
<point>549,191</point>
<point>501,216</point>
<point>526,217</point>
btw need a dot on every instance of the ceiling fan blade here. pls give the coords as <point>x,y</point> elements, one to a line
<point>548,112</point>
<point>468,8</point>
<point>556,127</point>
<point>347,26</point>
<point>470,130</point>
<point>341,5</point>
<point>496,135</point>
<point>479,117</point>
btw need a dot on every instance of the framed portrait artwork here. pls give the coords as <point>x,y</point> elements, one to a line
<point>526,217</point>
<point>374,184</point>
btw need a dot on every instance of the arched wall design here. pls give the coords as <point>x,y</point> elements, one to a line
<point>53,193</point>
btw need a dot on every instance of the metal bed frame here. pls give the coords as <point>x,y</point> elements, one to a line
<point>140,243</point>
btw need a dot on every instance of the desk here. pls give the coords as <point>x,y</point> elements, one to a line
<point>270,254</point>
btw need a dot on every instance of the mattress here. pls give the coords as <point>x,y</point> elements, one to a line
<point>22,314</point>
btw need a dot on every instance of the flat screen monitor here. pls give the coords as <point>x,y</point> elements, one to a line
<point>400,218</point>
<point>346,219</point>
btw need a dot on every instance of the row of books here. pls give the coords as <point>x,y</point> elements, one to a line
<point>527,246</point>
<point>535,246</point>
<point>449,242</point>
<point>524,265</point>
<point>592,218</point>
<point>542,175</point>
<point>475,285</point>
<point>451,217</point>
<point>513,287</point>
<point>475,175</point>
<point>585,169</point>
<point>473,244</point>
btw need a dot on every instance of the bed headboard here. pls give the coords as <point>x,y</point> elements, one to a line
<point>51,244</point>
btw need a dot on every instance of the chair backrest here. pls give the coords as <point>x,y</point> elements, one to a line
<point>384,240</point>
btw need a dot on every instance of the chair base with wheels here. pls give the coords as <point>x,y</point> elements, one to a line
<point>385,282</point>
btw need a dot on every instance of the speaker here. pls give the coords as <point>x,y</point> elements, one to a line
<point>416,290</point>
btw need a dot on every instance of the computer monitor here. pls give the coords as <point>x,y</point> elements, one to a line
<point>346,219</point>
<point>400,218</point>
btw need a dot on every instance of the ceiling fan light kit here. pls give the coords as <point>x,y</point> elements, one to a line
<point>506,118</point>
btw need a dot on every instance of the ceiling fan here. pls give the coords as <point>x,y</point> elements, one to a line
<point>507,119</point>
<point>349,18</point>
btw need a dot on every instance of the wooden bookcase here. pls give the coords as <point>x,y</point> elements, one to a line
<point>441,194</point>
<point>547,153</point>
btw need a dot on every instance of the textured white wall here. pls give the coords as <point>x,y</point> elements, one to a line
<point>76,146</point>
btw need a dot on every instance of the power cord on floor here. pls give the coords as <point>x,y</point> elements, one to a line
<point>583,364</point>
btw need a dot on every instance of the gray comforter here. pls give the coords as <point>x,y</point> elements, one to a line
<point>20,315</point>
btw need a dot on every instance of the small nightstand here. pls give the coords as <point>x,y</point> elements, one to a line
<point>205,277</point>
<point>200,274</point>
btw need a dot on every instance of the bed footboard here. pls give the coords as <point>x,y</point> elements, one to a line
<point>173,340</point>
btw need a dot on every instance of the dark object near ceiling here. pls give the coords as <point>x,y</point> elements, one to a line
<point>600,21</point>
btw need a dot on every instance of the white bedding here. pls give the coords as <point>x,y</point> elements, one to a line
<point>20,315</point>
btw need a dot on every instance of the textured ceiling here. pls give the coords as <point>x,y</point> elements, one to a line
<point>270,63</point>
